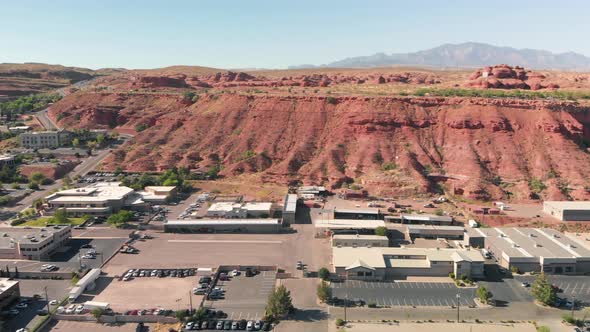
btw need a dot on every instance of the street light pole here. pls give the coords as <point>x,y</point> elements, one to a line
<point>345,301</point>
<point>573,305</point>
<point>190,297</point>
<point>46,299</point>
<point>458,303</point>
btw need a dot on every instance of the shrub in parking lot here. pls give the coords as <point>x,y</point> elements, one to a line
<point>543,329</point>
<point>381,231</point>
<point>324,292</point>
<point>97,312</point>
<point>340,322</point>
<point>543,291</point>
<point>120,218</point>
<point>324,273</point>
<point>483,294</point>
<point>279,303</point>
<point>372,305</point>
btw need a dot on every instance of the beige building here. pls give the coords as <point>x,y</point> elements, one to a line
<point>9,292</point>
<point>158,194</point>
<point>100,199</point>
<point>420,219</point>
<point>391,263</point>
<point>45,139</point>
<point>356,240</point>
<point>434,232</point>
<point>33,243</point>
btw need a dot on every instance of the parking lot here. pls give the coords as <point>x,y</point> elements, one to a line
<point>169,250</point>
<point>56,290</point>
<point>404,293</point>
<point>578,286</point>
<point>245,297</point>
<point>146,293</point>
<point>104,247</point>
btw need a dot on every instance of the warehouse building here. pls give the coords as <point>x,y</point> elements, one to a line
<point>358,240</point>
<point>240,210</point>
<point>289,209</point>
<point>9,292</point>
<point>33,243</point>
<point>434,232</point>
<point>158,194</point>
<point>348,225</point>
<point>420,219</point>
<point>568,210</point>
<point>224,226</point>
<point>358,214</point>
<point>533,249</point>
<point>391,263</point>
<point>100,199</point>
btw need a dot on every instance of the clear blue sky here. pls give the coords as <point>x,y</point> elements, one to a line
<point>274,33</point>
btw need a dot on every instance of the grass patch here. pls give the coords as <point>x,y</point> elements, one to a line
<point>44,221</point>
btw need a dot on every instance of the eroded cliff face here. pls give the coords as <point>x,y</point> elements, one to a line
<point>482,148</point>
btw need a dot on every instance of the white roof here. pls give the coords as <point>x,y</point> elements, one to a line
<point>160,188</point>
<point>6,283</point>
<point>569,205</point>
<point>359,237</point>
<point>290,203</point>
<point>422,217</point>
<point>360,263</point>
<point>381,257</point>
<point>258,206</point>
<point>101,191</point>
<point>359,211</point>
<point>349,224</point>
<point>213,222</point>
<point>224,206</point>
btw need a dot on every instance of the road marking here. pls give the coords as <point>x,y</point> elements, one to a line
<point>405,304</point>
<point>390,302</point>
<point>410,285</point>
<point>447,302</point>
<point>226,241</point>
<point>439,302</point>
<point>576,286</point>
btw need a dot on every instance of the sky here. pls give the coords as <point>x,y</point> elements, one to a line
<point>274,33</point>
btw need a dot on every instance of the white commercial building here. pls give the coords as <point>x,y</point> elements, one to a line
<point>37,243</point>
<point>289,209</point>
<point>240,210</point>
<point>568,210</point>
<point>158,194</point>
<point>100,199</point>
<point>44,139</point>
<point>390,263</point>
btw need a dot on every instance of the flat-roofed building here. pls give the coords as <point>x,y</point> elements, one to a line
<point>9,292</point>
<point>390,263</point>
<point>240,210</point>
<point>568,210</point>
<point>339,225</point>
<point>434,232</point>
<point>37,243</point>
<point>358,240</point>
<point>420,219</point>
<point>158,194</point>
<point>7,159</point>
<point>311,191</point>
<point>289,209</point>
<point>360,214</point>
<point>536,250</point>
<point>237,225</point>
<point>45,139</point>
<point>100,199</point>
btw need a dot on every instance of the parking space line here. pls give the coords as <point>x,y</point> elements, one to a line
<point>446,301</point>
<point>575,287</point>
<point>390,302</point>
<point>439,302</point>
<point>405,303</point>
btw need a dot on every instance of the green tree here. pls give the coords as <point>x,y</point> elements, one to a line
<point>100,139</point>
<point>483,294</point>
<point>381,231</point>
<point>76,142</point>
<point>324,273</point>
<point>324,292</point>
<point>60,217</point>
<point>67,181</point>
<point>543,291</point>
<point>439,212</point>
<point>91,145</point>
<point>33,186</point>
<point>97,312</point>
<point>120,218</point>
<point>180,314</point>
<point>279,303</point>
<point>37,177</point>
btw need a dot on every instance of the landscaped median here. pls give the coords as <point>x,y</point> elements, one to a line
<point>44,221</point>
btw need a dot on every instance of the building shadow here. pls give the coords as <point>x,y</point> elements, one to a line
<point>309,315</point>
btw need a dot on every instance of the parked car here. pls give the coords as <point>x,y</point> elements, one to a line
<point>79,309</point>
<point>21,306</point>
<point>249,273</point>
<point>219,325</point>
<point>250,325</point>
<point>266,326</point>
<point>204,280</point>
<point>234,325</point>
<point>199,291</point>
<point>242,324</point>
<point>61,310</point>
<point>204,325</point>
<point>234,273</point>
<point>258,324</point>
<point>223,277</point>
<point>525,284</point>
<point>70,309</point>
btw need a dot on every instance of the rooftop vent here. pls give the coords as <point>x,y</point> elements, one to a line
<point>514,245</point>
<point>572,246</point>
<point>556,236</point>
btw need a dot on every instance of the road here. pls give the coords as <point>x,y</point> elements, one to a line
<point>86,166</point>
<point>45,121</point>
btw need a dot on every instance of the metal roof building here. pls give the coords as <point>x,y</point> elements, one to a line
<point>224,226</point>
<point>568,210</point>
<point>289,208</point>
<point>536,250</point>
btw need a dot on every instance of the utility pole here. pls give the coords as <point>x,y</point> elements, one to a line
<point>458,303</point>
<point>46,299</point>
<point>80,260</point>
<point>190,298</point>
<point>345,301</point>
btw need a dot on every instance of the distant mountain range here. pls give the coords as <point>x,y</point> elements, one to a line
<point>466,55</point>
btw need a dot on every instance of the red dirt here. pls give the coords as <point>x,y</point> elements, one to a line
<point>486,148</point>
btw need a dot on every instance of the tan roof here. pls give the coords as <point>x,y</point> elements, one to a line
<point>359,237</point>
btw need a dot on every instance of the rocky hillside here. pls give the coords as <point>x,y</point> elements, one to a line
<point>478,148</point>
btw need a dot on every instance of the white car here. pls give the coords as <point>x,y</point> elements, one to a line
<point>21,306</point>
<point>258,325</point>
<point>79,309</point>
<point>61,309</point>
<point>250,325</point>
<point>234,273</point>
<point>70,309</point>
<point>53,302</point>
<point>127,277</point>
<point>22,330</point>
